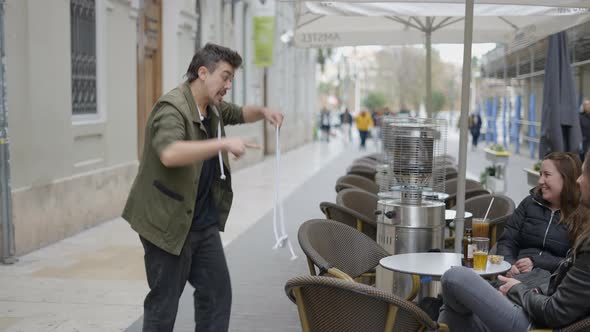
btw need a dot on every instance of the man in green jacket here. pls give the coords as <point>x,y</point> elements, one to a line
<point>182,194</point>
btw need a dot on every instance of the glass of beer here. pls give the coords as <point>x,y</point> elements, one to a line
<point>480,227</point>
<point>480,255</point>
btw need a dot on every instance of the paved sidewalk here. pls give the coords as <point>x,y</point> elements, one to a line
<point>95,280</point>
<point>259,273</point>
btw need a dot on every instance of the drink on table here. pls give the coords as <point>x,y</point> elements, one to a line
<point>480,255</point>
<point>480,260</point>
<point>481,227</point>
<point>467,248</point>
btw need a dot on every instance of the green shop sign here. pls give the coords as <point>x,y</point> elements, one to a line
<point>264,28</point>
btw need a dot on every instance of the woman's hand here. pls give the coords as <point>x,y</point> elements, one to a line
<point>524,265</point>
<point>508,283</point>
<point>513,271</point>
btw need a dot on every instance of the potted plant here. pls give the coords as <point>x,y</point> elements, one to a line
<point>532,174</point>
<point>497,154</point>
<point>485,174</point>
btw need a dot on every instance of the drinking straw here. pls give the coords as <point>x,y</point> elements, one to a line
<point>489,207</point>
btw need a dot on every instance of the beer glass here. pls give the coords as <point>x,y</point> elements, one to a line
<point>480,227</point>
<point>480,255</point>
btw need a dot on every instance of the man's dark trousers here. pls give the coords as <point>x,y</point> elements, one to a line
<point>202,263</point>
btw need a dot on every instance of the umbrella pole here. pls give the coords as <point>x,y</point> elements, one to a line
<point>466,80</point>
<point>429,110</point>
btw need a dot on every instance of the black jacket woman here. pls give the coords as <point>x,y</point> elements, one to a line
<point>472,304</point>
<point>536,235</point>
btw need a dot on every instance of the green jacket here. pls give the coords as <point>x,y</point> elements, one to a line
<point>161,202</point>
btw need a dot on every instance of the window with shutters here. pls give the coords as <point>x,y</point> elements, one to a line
<point>83,48</point>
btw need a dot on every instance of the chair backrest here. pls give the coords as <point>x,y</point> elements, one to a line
<point>451,185</point>
<point>370,163</point>
<point>447,163</point>
<point>328,243</point>
<point>378,156</point>
<point>579,326</point>
<point>448,157</point>
<point>362,170</point>
<point>451,189</point>
<point>356,181</point>
<point>476,192</point>
<point>450,173</point>
<point>500,212</point>
<point>349,217</point>
<point>503,206</point>
<point>358,200</point>
<point>451,201</point>
<point>329,304</point>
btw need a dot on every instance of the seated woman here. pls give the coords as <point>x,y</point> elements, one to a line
<point>536,235</point>
<point>472,304</point>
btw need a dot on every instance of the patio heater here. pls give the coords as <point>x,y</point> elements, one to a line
<point>409,220</point>
<point>384,175</point>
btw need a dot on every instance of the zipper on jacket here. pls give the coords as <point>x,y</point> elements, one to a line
<point>546,232</point>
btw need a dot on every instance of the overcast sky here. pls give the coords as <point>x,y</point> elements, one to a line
<point>454,52</point>
<point>449,52</point>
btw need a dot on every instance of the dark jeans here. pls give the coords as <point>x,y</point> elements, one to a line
<point>475,138</point>
<point>202,263</point>
<point>363,134</point>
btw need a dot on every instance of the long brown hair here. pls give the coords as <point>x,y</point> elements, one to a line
<point>569,167</point>
<point>578,225</point>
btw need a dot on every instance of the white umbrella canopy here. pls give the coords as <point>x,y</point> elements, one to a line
<point>511,22</point>
<point>389,22</point>
<point>562,3</point>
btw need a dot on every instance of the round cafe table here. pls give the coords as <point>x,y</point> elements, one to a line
<point>451,214</point>
<point>450,219</point>
<point>434,264</point>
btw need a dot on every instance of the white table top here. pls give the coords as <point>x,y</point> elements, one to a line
<point>434,264</point>
<point>450,214</point>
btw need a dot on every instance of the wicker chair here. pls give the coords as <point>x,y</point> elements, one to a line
<point>378,156</point>
<point>579,326</point>
<point>447,163</point>
<point>360,182</point>
<point>350,217</point>
<point>451,189</point>
<point>469,194</point>
<point>451,185</point>
<point>450,173</point>
<point>338,250</point>
<point>363,170</point>
<point>371,163</point>
<point>448,157</point>
<point>500,212</point>
<point>328,304</point>
<point>362,202</point>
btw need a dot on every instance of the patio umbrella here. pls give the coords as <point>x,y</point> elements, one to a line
<point>560,125</point>
<point>367,22</point>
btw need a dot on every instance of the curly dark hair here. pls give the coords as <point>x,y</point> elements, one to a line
<point>209,56</point>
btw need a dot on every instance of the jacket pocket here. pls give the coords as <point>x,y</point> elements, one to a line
<point>166,191</point>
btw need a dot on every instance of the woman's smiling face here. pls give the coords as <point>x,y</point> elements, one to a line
<point>550,182</point>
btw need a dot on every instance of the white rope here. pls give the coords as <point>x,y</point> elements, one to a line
<point>280,234</point>
<point>219,152</point>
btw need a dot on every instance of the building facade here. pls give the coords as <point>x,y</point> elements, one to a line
<point>81,78</point>
<point>518,75</point>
